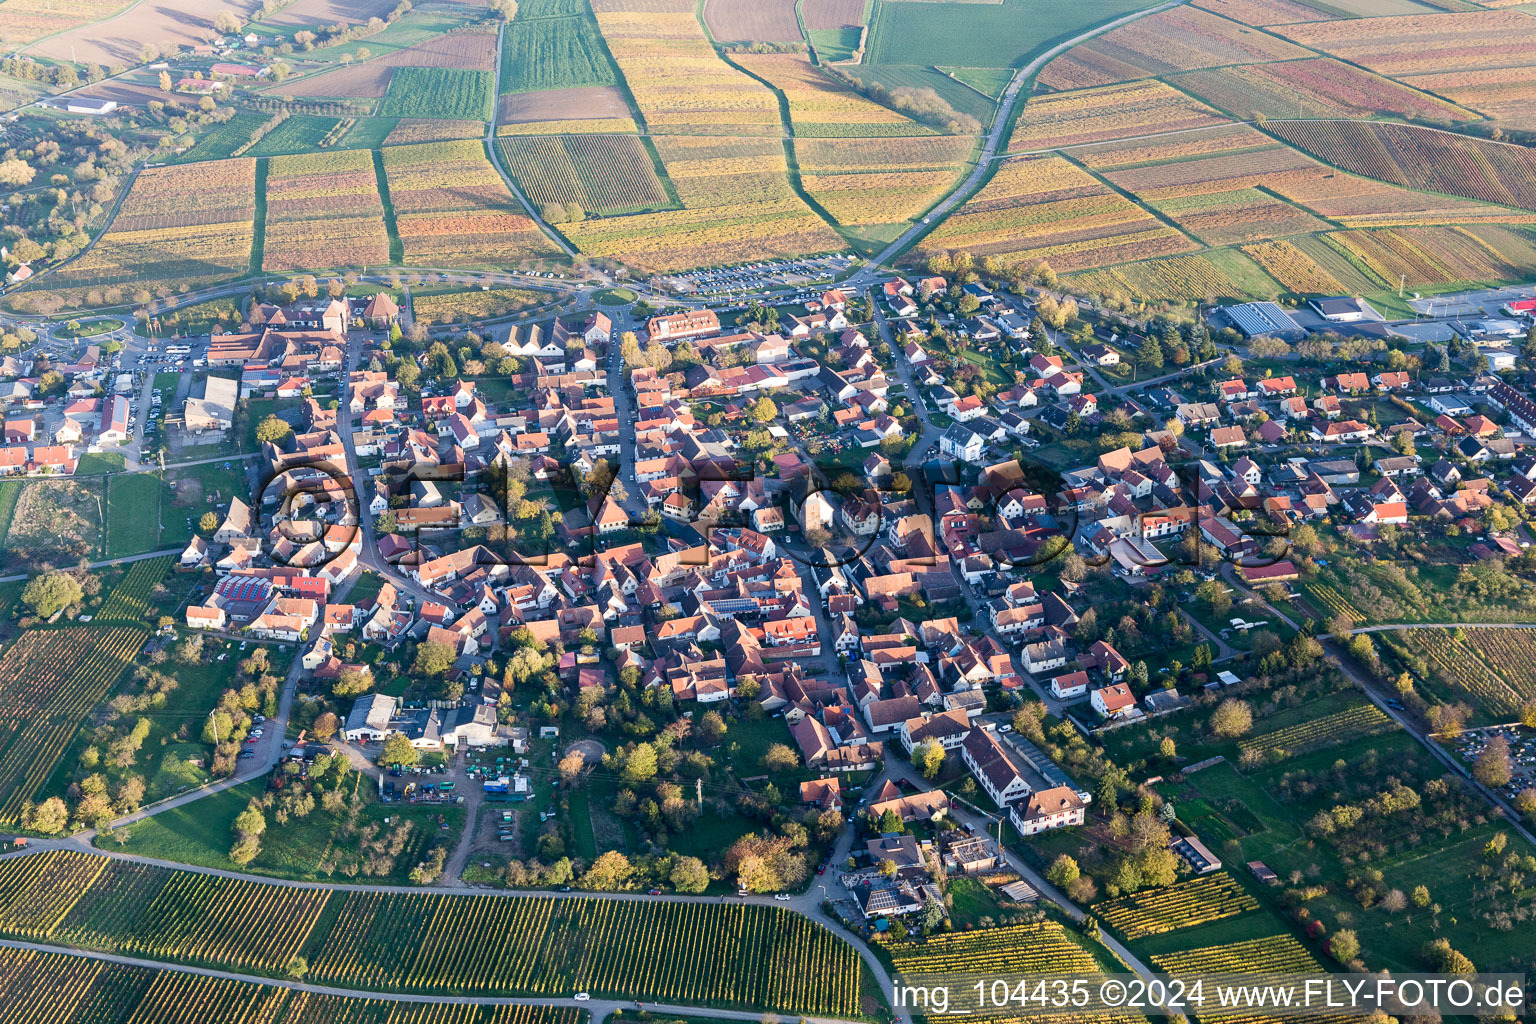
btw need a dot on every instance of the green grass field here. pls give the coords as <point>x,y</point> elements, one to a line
<point>553,53</point>
<point>990,81</point>
<point>222,141</point>
<point>133,514</point>
<point>979,35</point>
<point>452,94</point>
<point>835,44</point>
<point>97,463</point>
<point>368,133</point>
<point>896,76</point>
<point>201,833</point>
<point>415,27</point>
<point>298,134</point>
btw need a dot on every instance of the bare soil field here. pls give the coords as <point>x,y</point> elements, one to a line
<point>832,14</point>
<point>119,39</point>
<point>561,105</point>
<point>756,21</point>
<point>359,81</point>
<point>468,49</point>
<point>329,12</point>
<point>127,93</point>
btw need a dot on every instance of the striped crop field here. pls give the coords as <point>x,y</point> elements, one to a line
<point>599,173</point>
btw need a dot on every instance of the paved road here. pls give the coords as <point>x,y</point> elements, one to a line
<point>124,560</point>
<point>988,824</point>
<point>600,1009</point>
<point>369,556</point>
<point>1370,688</point>
<point>996,137</point>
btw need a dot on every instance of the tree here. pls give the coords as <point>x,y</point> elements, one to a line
<point>1344,946</point>
<point>763,410</point>
<point>780,759</point>
<point>1493,767</point>
<point>165,81</point>
<point>208,523</point>
<point>689,875</point>
<point>640,765</point>
<point>398,750</point>
<point>609,872</point>
<point>1168,749</point>
<point>928,758</point>
<point>325,726</point>
<point>249,826</point>
<point>352,681</point>
<point>15,172</point>
<point>1232,718</point>
<point>274,429</point>
<point>226,23</point>
<point>51,592</point>
<point>49,817</point>
<point>712,726</point>
<point>433,659</point>
<point>1063,871</point>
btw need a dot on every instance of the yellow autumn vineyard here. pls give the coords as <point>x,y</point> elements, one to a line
<point>743,956</point>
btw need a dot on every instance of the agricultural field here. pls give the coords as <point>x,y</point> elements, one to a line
<point>556,111</point>
<point>1184,904</point>
<point>752,21</point>
<point>1504,94</point>
<point>1181,39</point>
<point>232,138</point>
<point>451,207</point>
<point>820,106</point>
<point>1046,208</point>
<point>880,181</point>
<point>759,957</point>
<point>1263,13</point>
<point>1201,277</point>
<point>66,989</point>
<point>1422,158</point>
<point>1424,43</point>
<point>298,134</point>
<point>1278,953</point>
<point>680,84</point>
<point>1295,269</point>
<point>158,912</point>
<point>1321,87</point>
<point>180,224</point>
<point>737,207</point>
<point>1044,948</point>
<point>129,601</point>
<point>449,307</point>
<point>409,131</point>
<point>976,35</point>
<point>451,94</point>
<point>52,679</point>
<point>553,52</point>
<point>1363,719</point>
<point>1238,215</point>
<point>1237,161</point>
<point>1110,112</point>
<point>22,21</point>
<point>1490,669</point>
<point>605,174</point>
<point>1440,255</point>
<point>323,210</point>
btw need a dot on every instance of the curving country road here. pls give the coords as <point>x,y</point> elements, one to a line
<point>996,137</point>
